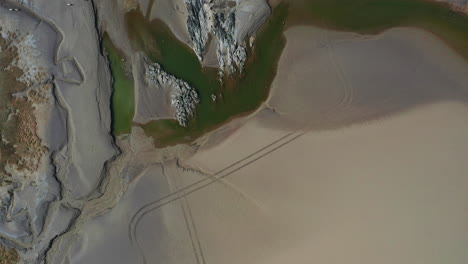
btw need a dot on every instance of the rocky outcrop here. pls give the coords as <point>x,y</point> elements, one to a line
<point>183,97</point>
<point>231,23</point>
<point>231,54</point>
<point>199,23</point>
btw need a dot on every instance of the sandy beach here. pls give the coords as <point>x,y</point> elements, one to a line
<point>354,160</point>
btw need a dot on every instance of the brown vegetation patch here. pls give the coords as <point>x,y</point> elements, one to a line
<point>9,256</point>
<point>20,146</point>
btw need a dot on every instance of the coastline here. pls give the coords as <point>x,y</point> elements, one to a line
<point>291,23</point>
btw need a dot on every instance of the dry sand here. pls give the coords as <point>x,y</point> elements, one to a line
<point>390,191</point>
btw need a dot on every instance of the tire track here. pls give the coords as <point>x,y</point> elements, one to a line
<point>348,91</point>
<point>196,245</point>
<point>202,256</point>
<point>135,216</point>
<point>202,184</point>
<point>174,180</point>
<point>332,57</point>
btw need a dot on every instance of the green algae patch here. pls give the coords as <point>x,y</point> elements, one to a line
<point>235,96</point>
<point>375,16</point>
<point>123,93</point>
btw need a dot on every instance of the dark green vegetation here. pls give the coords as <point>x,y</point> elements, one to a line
<point>123,95</point>
<point>244,93</point>
<point>374,16</point>
<point>235,96</point>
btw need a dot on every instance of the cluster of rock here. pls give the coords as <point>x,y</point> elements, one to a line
<point>184,98</point>
<point>199,24</point>
<point>230,53</point>
<point>229,22</point>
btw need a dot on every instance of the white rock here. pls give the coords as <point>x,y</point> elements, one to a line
<point>184,98</point>
<point>231,23</point>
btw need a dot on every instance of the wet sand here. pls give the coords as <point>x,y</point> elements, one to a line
<point>336,79</point>
<point>174,14</point>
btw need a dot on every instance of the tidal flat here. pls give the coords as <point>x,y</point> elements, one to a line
<point>236,95</point>
<point>243,93</point>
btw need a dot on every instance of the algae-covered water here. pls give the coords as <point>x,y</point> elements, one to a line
<point>237,95</point>
<point>245,93</point>
<point>123,94</point>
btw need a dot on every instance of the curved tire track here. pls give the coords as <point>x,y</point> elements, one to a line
<point>201,184</point>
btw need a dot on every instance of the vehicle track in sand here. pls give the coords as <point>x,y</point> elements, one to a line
<point>201,184</point>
